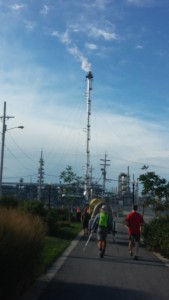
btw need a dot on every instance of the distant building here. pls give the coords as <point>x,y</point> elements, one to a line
<point>123,184</point>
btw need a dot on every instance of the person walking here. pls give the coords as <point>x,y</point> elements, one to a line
<point>85,220</point>
<point>101,221</point>
<point>134,222</point>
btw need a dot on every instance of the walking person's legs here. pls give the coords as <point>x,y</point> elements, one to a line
<point>134,241</point>
<point>102,233</point>
<point>131,244</point>
<point>137,244</point>
<point>102,247</point>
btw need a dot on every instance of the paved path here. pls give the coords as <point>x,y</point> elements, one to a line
<point>83,275</point>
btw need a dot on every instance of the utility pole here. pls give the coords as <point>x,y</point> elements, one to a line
<point>89,77</point>
<point>128,180</point>
<point>91,185</point>
<point>4,129</point>
<point>133,196</point>
<point>103,169</point>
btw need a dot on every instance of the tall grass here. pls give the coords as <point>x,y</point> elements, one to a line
<point>21,243</point>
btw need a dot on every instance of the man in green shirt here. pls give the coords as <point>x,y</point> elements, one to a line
<point>102,219</point>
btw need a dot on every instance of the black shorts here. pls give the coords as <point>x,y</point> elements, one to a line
<point>134,237</point>
<point>102,233</point>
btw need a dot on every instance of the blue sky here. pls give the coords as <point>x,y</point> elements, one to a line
<point>47,48</point>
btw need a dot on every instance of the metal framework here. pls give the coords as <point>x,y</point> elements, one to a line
<point>89,77</point>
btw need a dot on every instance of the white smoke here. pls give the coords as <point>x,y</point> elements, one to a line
<point>72,49</point>
<point>85,65</point>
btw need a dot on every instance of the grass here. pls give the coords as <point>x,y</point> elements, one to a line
<point>55,246</point>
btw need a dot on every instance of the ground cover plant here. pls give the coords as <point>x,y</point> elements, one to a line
<point>54,246</point>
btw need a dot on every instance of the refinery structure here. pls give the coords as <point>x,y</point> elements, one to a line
<point>53,194</point>
<point>125,193</point>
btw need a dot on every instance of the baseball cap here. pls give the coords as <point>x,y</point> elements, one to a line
<point>104,207</point>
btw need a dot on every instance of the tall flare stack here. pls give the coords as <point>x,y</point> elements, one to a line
<point>89,77</point>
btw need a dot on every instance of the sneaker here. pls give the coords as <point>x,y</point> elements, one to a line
<point>101,255</point>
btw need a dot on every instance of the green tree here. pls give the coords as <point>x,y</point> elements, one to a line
<point>155,189</point>
<point>153,185</point>
<point>71,184</point>
<point>68,176</point>
<point>71,181</point>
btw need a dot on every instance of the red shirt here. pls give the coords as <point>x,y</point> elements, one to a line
<point>134,221</point>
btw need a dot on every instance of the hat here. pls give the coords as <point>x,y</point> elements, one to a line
<point>104,207</point>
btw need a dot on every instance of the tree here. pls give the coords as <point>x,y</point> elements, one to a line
<point>72,182</point>
<point>68,175</point>
<point>157,189</point>
<point>153,185</point>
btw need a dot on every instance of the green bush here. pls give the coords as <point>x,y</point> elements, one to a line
<point>63,214</point>
<point>156,235</point>
<point>22,237</point>
<point>8,201</point>
<point>34,207</point>
<point>52,222</point>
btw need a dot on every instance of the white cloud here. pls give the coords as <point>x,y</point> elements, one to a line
<point>129,141</point>
<point>97,4</point>
<point>17,7</point>
<point>30,26</point>
<point>96,32</point>
<point>142,3</point>
<point>55,33</point>
<point>63,37</point>
<point>91,46</point>
<point>135,2</point>
<point>101,4</point>
<point>45,10</point>
<point>139,47</point>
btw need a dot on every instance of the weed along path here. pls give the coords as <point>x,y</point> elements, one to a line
<point>84,275</point>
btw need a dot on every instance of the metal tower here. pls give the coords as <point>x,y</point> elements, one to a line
<point>40,179</point>
<point>89,77</point>
<point>103,169</point>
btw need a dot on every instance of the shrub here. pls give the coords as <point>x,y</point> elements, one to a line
<point>35,208</point>
<point>52,222</point>
<point>63,214</point>
<point>8,201</point>
<point>22,237</point>
<point>156,235</point>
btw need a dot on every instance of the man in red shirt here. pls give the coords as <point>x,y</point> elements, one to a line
<point>134,221</point>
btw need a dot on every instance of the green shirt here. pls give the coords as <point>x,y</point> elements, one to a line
<point>103,219</point>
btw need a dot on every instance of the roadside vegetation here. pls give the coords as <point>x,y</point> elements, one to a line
<point>156,195</point>
<point>156,235</point>
<point>32,237</point>
<point>21,241</point>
